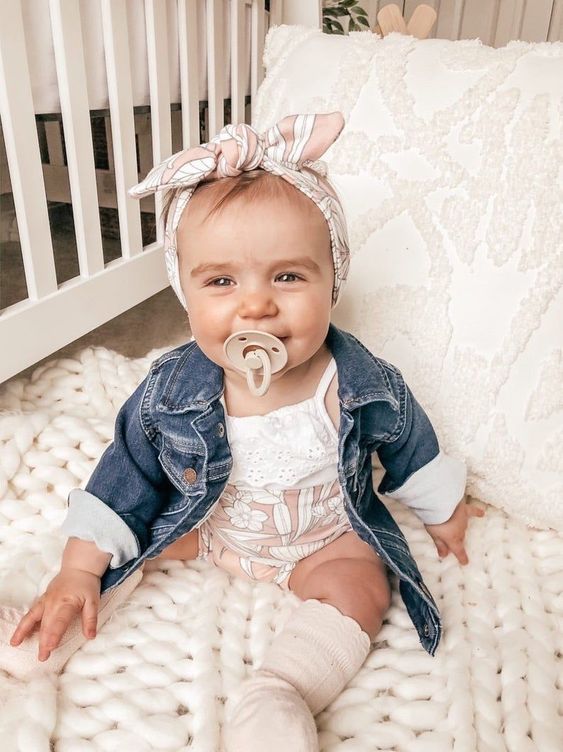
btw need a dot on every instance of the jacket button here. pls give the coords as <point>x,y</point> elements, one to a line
<point>426,630</point>
<point>220,430</point>
<point>190,475</point>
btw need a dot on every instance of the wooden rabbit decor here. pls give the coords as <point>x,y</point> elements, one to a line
<point>391,19</point>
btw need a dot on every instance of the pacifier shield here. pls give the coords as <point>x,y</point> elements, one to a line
<point>249,350</point>
<point>236,345</point>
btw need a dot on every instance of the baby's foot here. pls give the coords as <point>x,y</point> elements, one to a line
<point>267,712</point>
<point>22,662</point>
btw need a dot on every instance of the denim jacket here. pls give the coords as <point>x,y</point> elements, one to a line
<point>170,461</point>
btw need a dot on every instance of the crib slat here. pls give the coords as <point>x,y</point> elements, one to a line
<point>189,71</point>
<point>238,60</point>
<point>310,13</point>
<point>73,92</point>
<point>555,32</point>
<point>120,94</point>
<point>450,16</point>
<point>536,20</point>
<point>159,87</point>
<point>215,65</point>
<point>257,46</point>
<point>24,159</point>
<point>480,24</point>
<point>159,81</point>
<point>276,13</point>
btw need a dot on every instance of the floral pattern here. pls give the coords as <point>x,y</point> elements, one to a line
<point>261,535</point>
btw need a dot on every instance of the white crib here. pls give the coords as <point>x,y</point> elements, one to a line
<point>61,61</point>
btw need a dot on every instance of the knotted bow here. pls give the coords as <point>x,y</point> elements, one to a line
<point>290,149</point>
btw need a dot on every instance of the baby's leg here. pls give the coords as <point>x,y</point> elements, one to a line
<point>346,593</point>
<point>186,547</point>
<point>350,576</point>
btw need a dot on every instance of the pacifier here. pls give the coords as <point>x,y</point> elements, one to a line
<point>249,350</point>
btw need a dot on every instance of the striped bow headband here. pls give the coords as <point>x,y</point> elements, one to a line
<point>289,149</point>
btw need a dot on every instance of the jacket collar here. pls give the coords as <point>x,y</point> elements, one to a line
<point>361,376</point>
<point>195,381</point>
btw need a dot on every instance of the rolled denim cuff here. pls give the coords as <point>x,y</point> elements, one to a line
<point>434,491</point>
<point>89,518</point>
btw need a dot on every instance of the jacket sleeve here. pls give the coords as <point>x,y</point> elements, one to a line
<point>417,472</point>
<point>125,491</point>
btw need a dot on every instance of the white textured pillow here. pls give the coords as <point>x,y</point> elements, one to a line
<point>450,169</point>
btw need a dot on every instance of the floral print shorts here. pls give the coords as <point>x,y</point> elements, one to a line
<point>261,535</point>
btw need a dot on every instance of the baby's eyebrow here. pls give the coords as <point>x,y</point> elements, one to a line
<point>209,267</point>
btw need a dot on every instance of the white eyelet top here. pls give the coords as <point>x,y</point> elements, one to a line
<point>295,446</point>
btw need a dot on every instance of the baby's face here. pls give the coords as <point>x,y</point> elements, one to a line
<point>265,266</point>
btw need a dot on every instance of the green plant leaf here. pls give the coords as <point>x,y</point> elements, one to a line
<point>335,12</point>
<point>363,21</point>
<point>337,25</point>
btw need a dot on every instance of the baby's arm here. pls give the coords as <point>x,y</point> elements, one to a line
<point>420,475</point>
<point>107,525</point>
<point>75,589</point>
<point>417,472</point>
<point>449,535</point>
<point>125,493</point>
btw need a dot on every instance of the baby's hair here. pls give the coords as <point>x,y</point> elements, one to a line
<point>249,186</point>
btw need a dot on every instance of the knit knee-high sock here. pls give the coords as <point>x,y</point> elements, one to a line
<point>305,668</point>
<point>318,651</point>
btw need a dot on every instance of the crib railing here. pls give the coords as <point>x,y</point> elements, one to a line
<point>54,314</point>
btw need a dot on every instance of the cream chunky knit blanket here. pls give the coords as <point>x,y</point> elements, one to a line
<point>156,676</point>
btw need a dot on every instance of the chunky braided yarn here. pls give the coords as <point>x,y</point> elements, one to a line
<point>156,676</point>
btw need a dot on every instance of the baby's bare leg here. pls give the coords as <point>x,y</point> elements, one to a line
<point>349,575</point>
<point>185,548</point>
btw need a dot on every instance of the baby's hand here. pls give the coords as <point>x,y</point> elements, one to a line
<point>449,536</point>
<point>72,591</point>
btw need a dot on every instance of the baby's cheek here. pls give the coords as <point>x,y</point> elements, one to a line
<point>207,320</point>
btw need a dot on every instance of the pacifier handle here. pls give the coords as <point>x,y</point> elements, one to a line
<point>258,359</point>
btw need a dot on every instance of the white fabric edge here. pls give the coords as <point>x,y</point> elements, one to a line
<point>88,518</point>
<point>434,491</point>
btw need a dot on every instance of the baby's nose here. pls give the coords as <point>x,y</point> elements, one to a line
<point>257,304</point>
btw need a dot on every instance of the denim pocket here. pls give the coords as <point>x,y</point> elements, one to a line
<point>185,465</point>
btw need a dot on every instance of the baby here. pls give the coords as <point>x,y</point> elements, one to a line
<point>251,445</point>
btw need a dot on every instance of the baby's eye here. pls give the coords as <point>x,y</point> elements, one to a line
<point>289,274</point>
<point>219,279</point>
